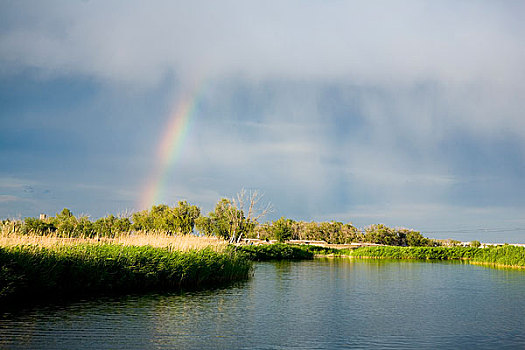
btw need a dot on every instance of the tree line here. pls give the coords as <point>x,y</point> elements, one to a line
<point>338,233</point>
<point>231,219</point>
<point>179,219</point>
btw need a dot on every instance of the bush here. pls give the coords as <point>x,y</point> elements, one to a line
<point>276,251</point>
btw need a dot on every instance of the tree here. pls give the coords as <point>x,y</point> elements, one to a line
<point>241,224</point>
<point>142,221</point>
<point>415,239</point>
<point>110,226</point>
<point>37,226</point>
<point>179,219</point>
<point>234,218</point>
<point>65,222</point>
<point>282,229</point>
<point>185,216</point>
<point>204,225</point>
<point>381,234</point>
<point>217,222</point>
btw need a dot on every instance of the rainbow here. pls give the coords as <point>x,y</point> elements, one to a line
<point>170,148</point>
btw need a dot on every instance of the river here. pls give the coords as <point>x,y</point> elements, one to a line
<point>320,304</point>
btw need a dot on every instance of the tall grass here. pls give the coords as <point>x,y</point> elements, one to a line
<point>439,253</point>
<point>29,272</point>
<point>503,255</point>
<point>142,238</point>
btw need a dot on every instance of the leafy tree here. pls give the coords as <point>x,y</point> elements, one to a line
<point>142,221</point>
<point>282,229</point>
<point>65,222</point>
<point>204,225</point>
<point>64,215</point>
<point>185,216</point>
<point>219,221</point>
<point>234,218</point>
<point>179,219</point>
<point>110,226</point>
<point>415,239</point>
<point>163,218</point>
<point>37,226</point>
<point>381,234</point>
<point>84,227</point>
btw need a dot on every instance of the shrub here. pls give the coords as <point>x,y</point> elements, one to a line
<point>276,251</point>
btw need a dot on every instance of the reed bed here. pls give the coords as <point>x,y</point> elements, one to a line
<point>35,267</point>
<point>182,243</point>
<point>434,253</point>
<point>507,256</point>
<point>175,243</point>
<point>34,272</point>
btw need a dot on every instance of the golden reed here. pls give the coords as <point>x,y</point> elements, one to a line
<point>12,237</point>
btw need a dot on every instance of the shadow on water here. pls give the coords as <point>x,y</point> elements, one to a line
<point>59,303</point>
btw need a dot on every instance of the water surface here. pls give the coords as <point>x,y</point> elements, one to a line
<point>319,304</point>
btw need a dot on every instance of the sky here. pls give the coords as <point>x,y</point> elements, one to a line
<point>407,113</point>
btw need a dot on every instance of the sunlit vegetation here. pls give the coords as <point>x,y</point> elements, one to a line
<point>29,272</point>
<point>438,253</point>
<point>331,232</point>
<point>505,255</point>
<point>234,218</point>
<point>276,252</point>
<point>153,239</point>
<point>172,248</point>
<point>179,219</point>
<point>338,233</point>
<point>231,220</point>
<point>171,220</point>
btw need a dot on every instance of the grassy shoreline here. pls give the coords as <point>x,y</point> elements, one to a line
<point>504,256</point>
<point>30,272</point>
<point>277,251</point>
<point>33,269</point>
<point>36,268</point>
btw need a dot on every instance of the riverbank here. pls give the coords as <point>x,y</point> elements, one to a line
<point>35,268</point>
<point>503,256</point>
<point>29,272</point>
<point>71,269</point>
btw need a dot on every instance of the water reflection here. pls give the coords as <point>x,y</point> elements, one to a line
<point>324,304</point>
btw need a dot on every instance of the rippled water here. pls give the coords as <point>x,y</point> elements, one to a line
<point>319,304</point>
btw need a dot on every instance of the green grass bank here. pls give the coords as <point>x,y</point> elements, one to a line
<point>30,273</point>
<point>509,256</point>
<point>277,251</point>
